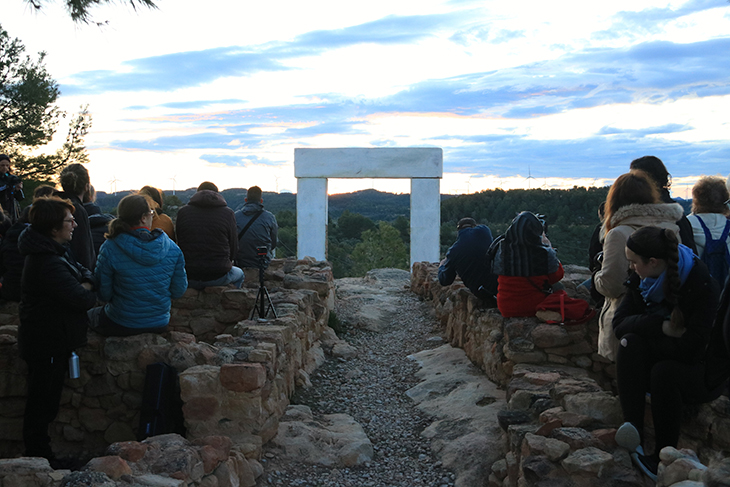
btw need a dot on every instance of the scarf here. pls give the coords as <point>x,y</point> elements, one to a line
<point>652,288</point>
<point>521,251</point>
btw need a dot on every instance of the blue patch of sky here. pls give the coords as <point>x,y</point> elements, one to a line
<point>206,140</point>
<point>200,103</point>
<point>503,36</point>
<point>593,157</point>
<point>239,160</point>
<point>669,128</point>
<point>338,127</point>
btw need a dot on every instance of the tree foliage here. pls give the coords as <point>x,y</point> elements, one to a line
<point>43,166</point>
<point>79,9</point>
<point>381,247</point>
<point>28,93</point>
<point>29,115</point>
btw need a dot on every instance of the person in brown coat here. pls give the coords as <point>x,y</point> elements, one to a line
<point>207,235</point>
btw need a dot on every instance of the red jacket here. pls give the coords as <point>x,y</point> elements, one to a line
<point>519,296</point>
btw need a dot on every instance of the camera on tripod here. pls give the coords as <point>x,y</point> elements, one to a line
<point>262,251</point>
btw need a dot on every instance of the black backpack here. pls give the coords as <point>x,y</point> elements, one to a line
<point>716,256</point>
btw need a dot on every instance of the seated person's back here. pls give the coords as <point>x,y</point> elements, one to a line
<point>527,266</point>
<point>206,233</point>
<point>468,258</point>
<point>138,272</point>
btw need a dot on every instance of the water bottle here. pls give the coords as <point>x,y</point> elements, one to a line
<point>74,369</point>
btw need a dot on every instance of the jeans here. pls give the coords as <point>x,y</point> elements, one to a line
<point>234,276</point>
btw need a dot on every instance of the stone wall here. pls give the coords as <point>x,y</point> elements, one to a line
<point>236,375</point>
<point>563,412</point>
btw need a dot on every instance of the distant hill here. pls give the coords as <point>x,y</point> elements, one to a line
<point>376,205</point>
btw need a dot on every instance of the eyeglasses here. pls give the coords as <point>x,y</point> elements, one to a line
<point>72,220</point>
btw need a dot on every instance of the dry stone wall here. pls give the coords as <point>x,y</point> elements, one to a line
<point>563,412</point>
<point>236,374</point>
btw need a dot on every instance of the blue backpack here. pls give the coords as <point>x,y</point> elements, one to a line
<point>716,255</point>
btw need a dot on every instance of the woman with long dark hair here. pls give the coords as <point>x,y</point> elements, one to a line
<point>664,325</point>
<point>138,272</point>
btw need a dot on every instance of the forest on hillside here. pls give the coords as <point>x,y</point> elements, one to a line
<point>371,229</point>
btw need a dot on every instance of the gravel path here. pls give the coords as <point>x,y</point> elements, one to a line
<point>371,388</point>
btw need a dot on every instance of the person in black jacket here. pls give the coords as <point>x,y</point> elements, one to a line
<point>56,292</point>
<point>75,183</point>
<point>207,235</point>
<point>468,258</point>
<point>656,169</point>
<point>11,261</point>
<point>663,324</point>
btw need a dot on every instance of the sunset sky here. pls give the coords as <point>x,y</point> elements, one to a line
<point>565,92</point>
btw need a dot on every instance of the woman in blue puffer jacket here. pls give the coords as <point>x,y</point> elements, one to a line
<point>138,272</point>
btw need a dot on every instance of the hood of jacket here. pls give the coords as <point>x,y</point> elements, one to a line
<point>207,199</point>
<point>92,208</point>
<point>142,246</point>
<point>100,219</point>
<point>32,242</point>
<point>642,215</point>
<point>251,208</point>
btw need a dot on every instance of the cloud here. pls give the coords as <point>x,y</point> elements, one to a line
<point>203,140</point>
<point>592,157</point>
<point>632,24</point>
<point>201,103</point>
<point>239,160</point>
<point>664,129</point>
<point>194,68</point>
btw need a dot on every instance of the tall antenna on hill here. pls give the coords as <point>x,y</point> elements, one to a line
<point>277,184</point>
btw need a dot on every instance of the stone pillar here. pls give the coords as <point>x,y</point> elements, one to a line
<point>312,218</point>
<point>425,220</point>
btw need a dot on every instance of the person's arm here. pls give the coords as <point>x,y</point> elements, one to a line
<point>447,270</point>
<point>63,287</point>
<point>632,316</point>
<point>232,236</point>
<point>699,309</point>
<point>274,232</point>
<point>609,281</point>
<point>557,275</point>
<point>179,281</point>
<point>104,273</point>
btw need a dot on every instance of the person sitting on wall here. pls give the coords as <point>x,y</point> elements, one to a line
<point>55,294</point>
<point>468,258</point>
<point>138,272</point>
<point>256,228</point>
<point>668,344</point>
<point>207,235</point>
<point>160,220</point>
<point>526,265</point>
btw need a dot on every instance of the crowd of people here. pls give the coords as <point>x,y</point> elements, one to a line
<point>657,276</point>
<point>73,268</point>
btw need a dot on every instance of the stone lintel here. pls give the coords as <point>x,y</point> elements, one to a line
<point>389,163</point>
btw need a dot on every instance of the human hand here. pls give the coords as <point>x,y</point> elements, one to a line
<point>672,330</point>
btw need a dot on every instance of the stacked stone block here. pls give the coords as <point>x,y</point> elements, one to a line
<point>236,374</point>
<point>563,411</point>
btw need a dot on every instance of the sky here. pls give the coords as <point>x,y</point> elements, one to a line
<point>517,94</point>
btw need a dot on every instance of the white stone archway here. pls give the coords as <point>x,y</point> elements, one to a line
<point>423,166</point>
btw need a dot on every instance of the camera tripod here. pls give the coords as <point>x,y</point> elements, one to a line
<point>263,300</point>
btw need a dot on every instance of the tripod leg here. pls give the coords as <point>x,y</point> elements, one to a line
<point>271,304</point>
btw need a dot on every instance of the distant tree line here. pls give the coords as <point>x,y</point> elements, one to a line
<point>371,229</point>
